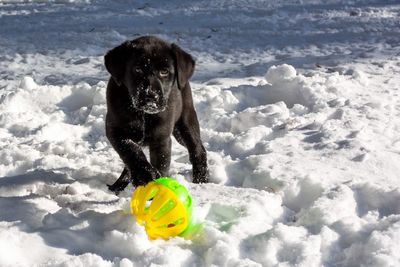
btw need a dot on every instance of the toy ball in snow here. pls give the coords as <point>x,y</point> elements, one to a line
<point>163,207</point>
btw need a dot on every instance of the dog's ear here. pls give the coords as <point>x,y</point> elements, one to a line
<point>184,65</point>
<point>115,61</point>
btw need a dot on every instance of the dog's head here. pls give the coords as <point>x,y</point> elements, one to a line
<point>149,68</point>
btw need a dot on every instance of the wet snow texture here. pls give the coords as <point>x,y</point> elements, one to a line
<point>299,108</point>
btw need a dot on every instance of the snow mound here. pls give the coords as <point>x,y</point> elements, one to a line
<point>272,209</point>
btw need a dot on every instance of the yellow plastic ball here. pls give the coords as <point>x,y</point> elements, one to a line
<point>163,207</point>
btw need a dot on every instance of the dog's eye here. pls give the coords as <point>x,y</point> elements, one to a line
<point>137,70</point>
<point>164,73</point>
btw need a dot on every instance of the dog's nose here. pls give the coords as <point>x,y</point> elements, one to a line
<point>151,98</point>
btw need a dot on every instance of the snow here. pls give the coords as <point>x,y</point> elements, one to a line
<point>298,103</point>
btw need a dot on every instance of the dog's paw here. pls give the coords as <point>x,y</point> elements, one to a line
<point>137,183</point>
<point>118,186</point>
<point>200,175</point>
<point>145,177</point>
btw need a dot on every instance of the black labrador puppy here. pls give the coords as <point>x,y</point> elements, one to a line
<point>148,99</point>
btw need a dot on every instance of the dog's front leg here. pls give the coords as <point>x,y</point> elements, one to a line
<point>138,170</point>
<point>160,155</point>
<point>189,130</point>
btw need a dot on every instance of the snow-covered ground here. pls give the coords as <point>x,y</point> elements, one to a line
<point>299,108</point>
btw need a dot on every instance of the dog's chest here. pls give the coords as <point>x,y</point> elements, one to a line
<point>155,129</point>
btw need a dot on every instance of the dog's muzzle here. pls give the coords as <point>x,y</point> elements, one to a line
<point>153,104</point>
<point>152,108</point>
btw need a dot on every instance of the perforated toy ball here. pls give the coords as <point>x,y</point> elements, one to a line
<point>163,207</point>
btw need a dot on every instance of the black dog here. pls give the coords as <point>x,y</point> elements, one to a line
<point>148,99</point>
